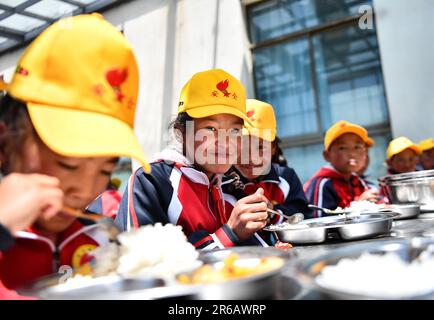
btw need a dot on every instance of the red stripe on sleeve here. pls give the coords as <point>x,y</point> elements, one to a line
<point>224,239</point>
<point>202,241</point>
<point>131,205</point>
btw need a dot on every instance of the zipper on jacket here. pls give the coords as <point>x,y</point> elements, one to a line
<point>56,260</point>
<point>209,208</point>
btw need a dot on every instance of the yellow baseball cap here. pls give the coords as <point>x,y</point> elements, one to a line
<point>213,92</point>
<point>400,144</point>
<point>426,144</point>
<point>79,79</point>
<point>261,115</point>
<point>342,127</point>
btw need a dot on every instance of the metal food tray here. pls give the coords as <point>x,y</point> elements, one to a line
<point>306,271</point>
<point>258,286</point>
<point>367,225</point>
<point>406,211</point>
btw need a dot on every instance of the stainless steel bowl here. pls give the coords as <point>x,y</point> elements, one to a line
<point>368,225</point>
<point>406,211</point>
<point>414,187</point>
<point>306,271</point>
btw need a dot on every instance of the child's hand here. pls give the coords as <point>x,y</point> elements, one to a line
<point>370,195</point>
<point>249,215</point>
<point>24,197</point>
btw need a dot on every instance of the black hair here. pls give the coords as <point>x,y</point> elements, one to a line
<point>179,129</point>
<point>15,125</point>
<point>179,125</point>
<point>278,156</point>
<point>14,113</point>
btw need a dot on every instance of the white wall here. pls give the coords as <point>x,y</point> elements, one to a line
<point>405,34</point>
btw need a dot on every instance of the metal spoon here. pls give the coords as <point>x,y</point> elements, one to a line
<point>292,219</point>
<point>104,222</point>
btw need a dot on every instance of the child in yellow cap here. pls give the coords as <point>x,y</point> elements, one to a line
<point>68,114</point>
<point>338,184</point>
<point>402,155</point>
<point>427,155</point>
<point>256,169</point>
<point>184,187</point>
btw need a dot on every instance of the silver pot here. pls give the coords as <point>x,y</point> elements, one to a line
<point>413,187</point>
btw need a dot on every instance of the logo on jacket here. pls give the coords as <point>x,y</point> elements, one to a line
<point>82,255</point>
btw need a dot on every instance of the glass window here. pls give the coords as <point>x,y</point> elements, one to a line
<point>12,3</point>
<point>283,78</point>
<point>349,77</point>
<point>21,23</point>
<point>27,17</point>
<point>272,19</point>
<point>305,160</point>
<point>51,8</point>
<point>315,77</point>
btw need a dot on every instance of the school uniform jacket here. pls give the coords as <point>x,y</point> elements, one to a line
<point>329,189</point>
<point>176,192</point>
<point>33,256</point>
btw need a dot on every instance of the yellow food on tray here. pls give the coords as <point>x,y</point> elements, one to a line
<point>232,268</point>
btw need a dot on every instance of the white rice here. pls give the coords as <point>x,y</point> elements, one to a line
<point>381,276</point>
<point>150,251</point>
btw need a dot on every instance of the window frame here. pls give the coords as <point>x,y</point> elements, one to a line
<point>18,38</point>
<point>309,33</point>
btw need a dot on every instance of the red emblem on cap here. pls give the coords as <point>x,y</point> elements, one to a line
<point>20,70</point>
<point>116,77</point>
<point>250,113</point>
<point>222,86</point>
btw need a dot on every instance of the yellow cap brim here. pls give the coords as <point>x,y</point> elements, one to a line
<point>351,129</point>
<point>414,147</point>
<point>260,133</point>
<point>426,145</point>
<point>76,133</point>
<point>206,111</point>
